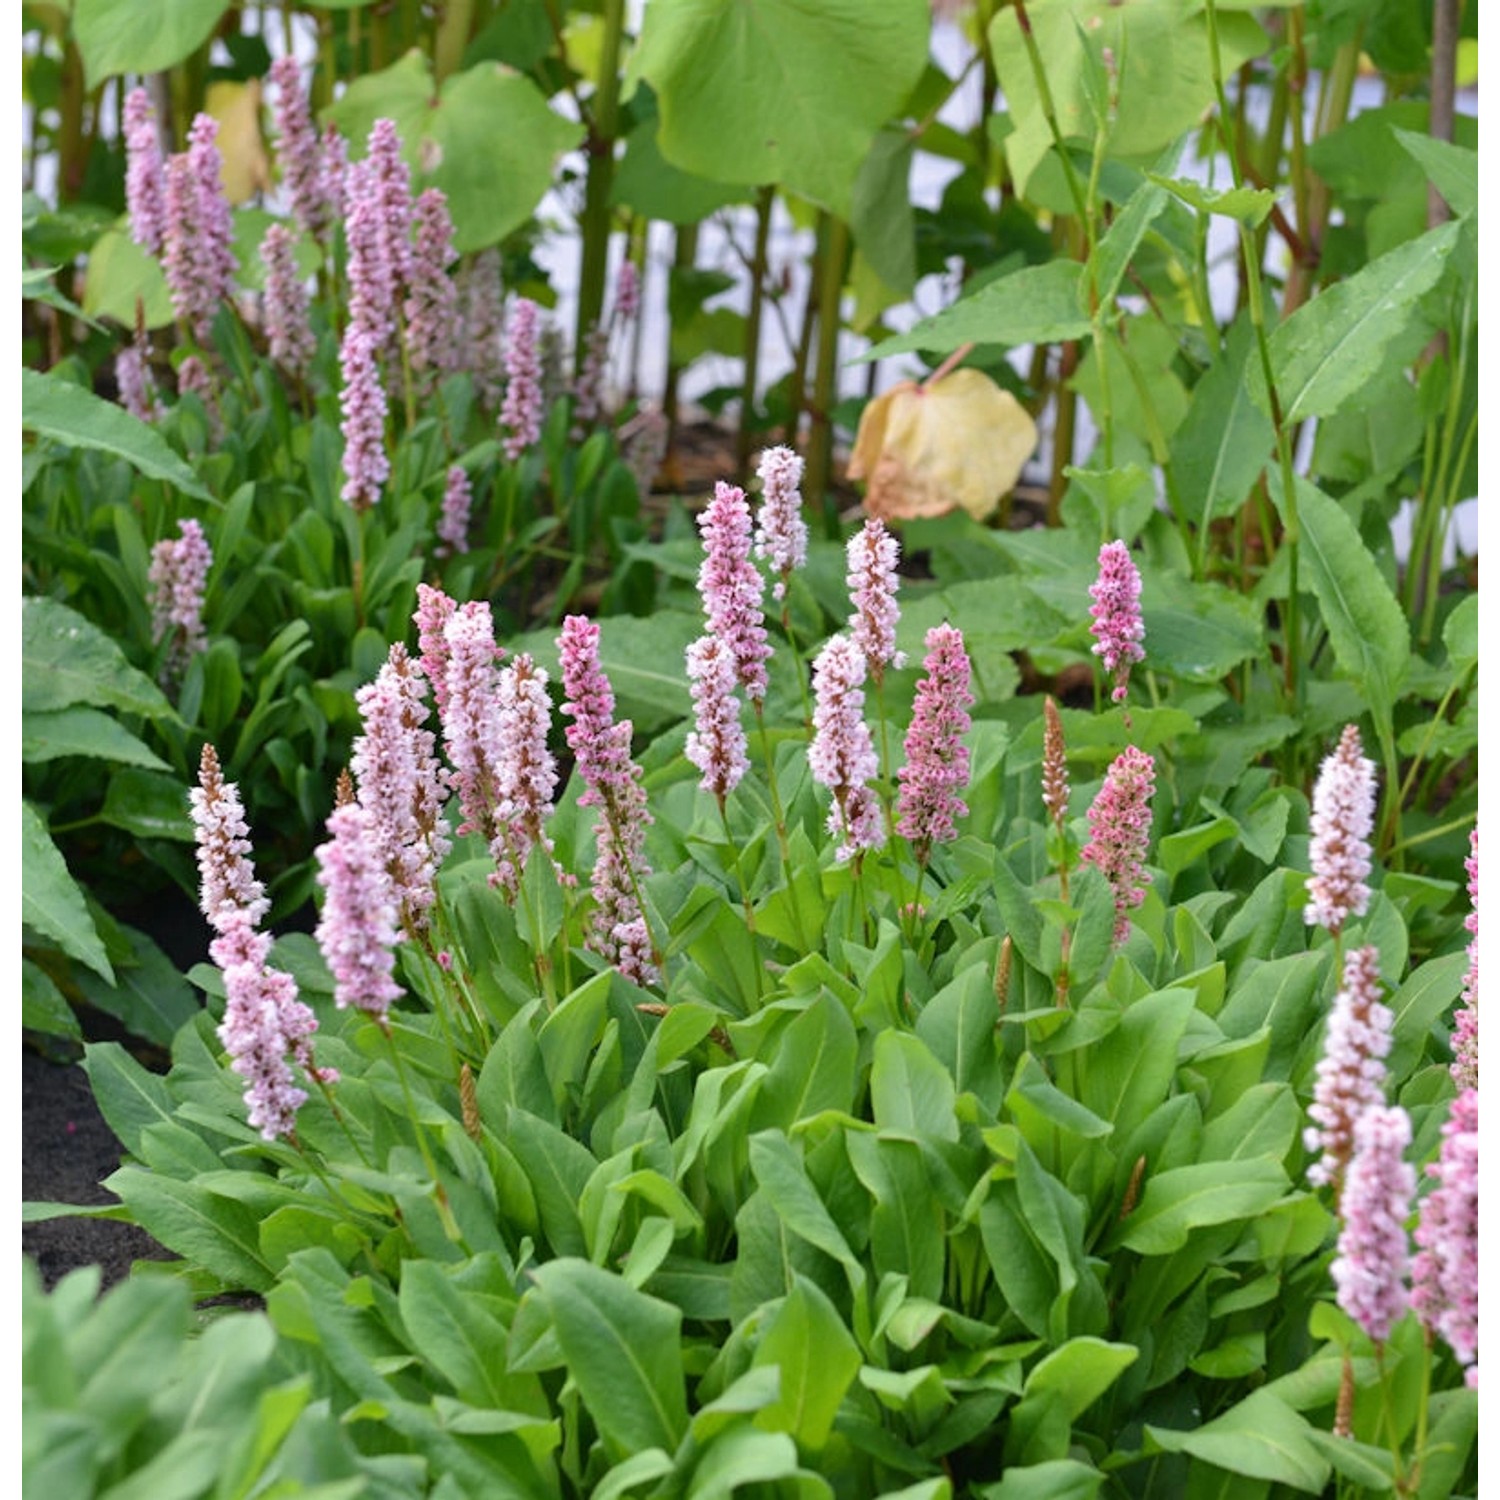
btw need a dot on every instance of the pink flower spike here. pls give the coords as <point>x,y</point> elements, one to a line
<point>434,610</point>
<point>138,393</point>
<point>872,554</point>
<point>453,525</point>
<point>357,930</point>
<point>1116,610</point>
<point>297,150</point>
<point>1343,813</point>
<point>145,173</point>
<point>780,532</point>
<point>483,319</point>
<point>842,754</point>
<point>1120,832</point>
<point>731,587</point>
<point>937,761</point>
<point>177,577</point>
<point>1465,1065</point>
<point>717,745</point>
<point>613,780</point>
<point>199,257</point>
<point>521,411</point>
<point>400,785</point>
<point>229,891</point>
<point>1370,1270</point>
<point>1445,1270</point>
<point>525,771</point>
<point>627,291</point>
<point>470,714</point>
<point>363,402</point>
<point>1351,1071</point>
<point>288,331</point>
<point>432,298</point>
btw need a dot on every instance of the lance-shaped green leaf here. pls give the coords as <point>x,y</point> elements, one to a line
<point>1261,1437</point>
<point>749,91</point>
<point>66,660</point>
<point>623,1350</point>
<point>1186,1198</point>
<point>818,1359</point>
<point>51,902</point>
<point>1452,170</point>
<point>58,409</point>
<point>1333,346</point>
<point>83,731</point>
<point>1366,626</point>
<point>1035,305</point>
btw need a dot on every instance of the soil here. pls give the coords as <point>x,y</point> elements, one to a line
<point>66,1151</point>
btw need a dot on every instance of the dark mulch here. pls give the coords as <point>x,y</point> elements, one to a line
<point>66,1151</point>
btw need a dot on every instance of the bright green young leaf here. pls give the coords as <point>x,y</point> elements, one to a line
<point>881,215</point>
<point>623,1350</point>
<point>455,1332</point>
<point>1366,626</point>
<point>1245,204</point>
<point>1261,1437</point>
<point>1059,1479</point>
<point>910,1090</point>
<point>1080,1371</point>
<point>650,185</point>
<point>747,94</point>
<point>1333,346</point>
<point>112,40</point>
<point>1035,305</point>
<point>51,902</point>
<point>742,1456</point>
<point>818,1359</point>
<point>1182,1199</point>
<point>68,414</point>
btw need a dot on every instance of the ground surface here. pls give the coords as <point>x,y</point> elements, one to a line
<point>66,1150</point>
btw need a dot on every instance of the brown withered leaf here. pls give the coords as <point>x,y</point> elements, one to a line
<point>246,169</point>
<point>927,449</point>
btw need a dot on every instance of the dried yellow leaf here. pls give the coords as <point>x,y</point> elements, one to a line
<point>246,169</point>
<point>928,449</point>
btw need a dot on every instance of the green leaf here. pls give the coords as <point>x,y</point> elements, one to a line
<point>815,1067</point>
<point>1130,1070</point>
<point>120,275</point>
<point>66,660</point>
<point>623,1350</point>
<point>51,902</point>
<point>1060,1479</point>
<point>111,39</point>
<point>1245,204</point>
<point>1223,442</point>
<point>83,731</point>
<point>455,1333</point>
<point>1367,628</point>
<point>487,138</point>
<point>1424,997</point>
<point>1080,1371</point>
<point>1261,1437</point>
<point>881,215</point>
<point>43,1006</point>
<point>1182,1199</point>
<point>1461,633</point>
<point>1035,305</point>
<point>129,1097</point>
<point>817,1359</point>
<point>148,996</point>
<point>747,94</point>
<point>148,804</point>
<point>646,182</point>
<point>1453,171</point>
<point>911,1092</point>
<point>57,409</point>
<point>1333,346</point>
<point>1164,74</point>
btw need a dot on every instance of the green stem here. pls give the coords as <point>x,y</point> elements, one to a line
<point>603,127</point>
<point>752,329</point>
<point>820,431</point>
<point>452,37</point>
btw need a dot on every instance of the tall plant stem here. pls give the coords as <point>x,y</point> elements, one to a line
<point>1063,428</point>
<point>805,340</point>
<point>602,130</point>
<point>752,330</point>
<point>820,431</point>
<point>739,875</point>
<point>1248,251</point>
<point>457,17</point>
<point>685,253</point>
